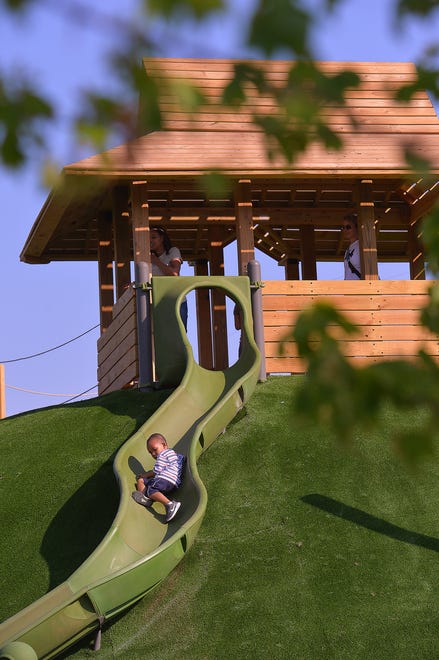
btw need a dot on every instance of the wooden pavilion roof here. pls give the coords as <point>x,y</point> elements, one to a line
<point>317,190</point>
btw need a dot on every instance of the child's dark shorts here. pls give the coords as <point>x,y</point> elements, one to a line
<point>156,484</point>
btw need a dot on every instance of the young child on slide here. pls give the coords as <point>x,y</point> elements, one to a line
<point>163,479</point>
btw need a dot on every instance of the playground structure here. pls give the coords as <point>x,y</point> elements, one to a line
<point>139,551</point>
<point>105,205</point>
<point>103,211</point>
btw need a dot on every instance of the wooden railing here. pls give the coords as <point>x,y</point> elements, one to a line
<point>117,347</point>
<point>387,313</point>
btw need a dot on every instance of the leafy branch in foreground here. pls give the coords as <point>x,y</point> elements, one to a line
<point>275,28</point>
<point>23,112</point>
<point>300,103</point>
<point>343,397</point>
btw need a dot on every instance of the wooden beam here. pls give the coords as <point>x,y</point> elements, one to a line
<point>244,225</point>
<point>204,319</point>
<point>308,253</point>
<point>140,223</point>
<point>105,269</point>
<point>416,252</point>
<point>292,269</point>
<point>218,300</point>
<point>122,239</point>
<point>424,205</point>
<point>366,231</point>
<point>324,215</point>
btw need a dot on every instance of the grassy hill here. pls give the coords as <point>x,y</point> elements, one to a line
<point>306,550</point>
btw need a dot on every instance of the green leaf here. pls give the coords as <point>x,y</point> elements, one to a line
<point>243,74</point>
<point>215,184</point>
<point>233,93</point>
<point>286,140</point>
<point>416,7</point>
<point>430,313</point>
<point>23,113</point>
<point>189,96</point>
<point>281,25</point>
<point>18,5</point>
<point>328,137</point>
<point>430,238</point>
<point>172,8</point>
<point>150,115</point>
<point>427,81</point>
<point>420,166</point>
<point>405,383</point>
<point>10,149</point>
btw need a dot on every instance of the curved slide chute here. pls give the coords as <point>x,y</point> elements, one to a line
<point>139,550</point>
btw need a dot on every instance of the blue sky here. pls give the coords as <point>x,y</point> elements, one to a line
<point>46,305</point>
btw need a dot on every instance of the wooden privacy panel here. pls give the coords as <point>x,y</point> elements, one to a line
<point>117,347</point>
<point>387,313</point>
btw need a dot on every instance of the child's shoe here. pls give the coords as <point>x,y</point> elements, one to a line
<point>140,498</point>
<point>171,510</point>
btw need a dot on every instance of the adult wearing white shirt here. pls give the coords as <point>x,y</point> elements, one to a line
<point>352,261</point>
<point>166,261</point>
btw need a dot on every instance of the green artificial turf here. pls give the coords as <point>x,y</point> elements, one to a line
<point>306,550</point>
<point>58,494</point>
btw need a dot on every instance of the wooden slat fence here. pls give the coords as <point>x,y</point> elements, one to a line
<point>387,313</point>
<point>117,347</point>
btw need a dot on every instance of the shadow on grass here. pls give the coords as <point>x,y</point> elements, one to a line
<point>364,519</point>
<point>83,521</point>
<point>80,524</point>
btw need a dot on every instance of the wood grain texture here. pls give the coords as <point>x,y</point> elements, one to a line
<point>387,314</point>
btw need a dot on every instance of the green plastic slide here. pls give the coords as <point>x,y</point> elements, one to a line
<point>140,550</point>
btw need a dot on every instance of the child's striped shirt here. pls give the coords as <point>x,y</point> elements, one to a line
<point>169,466</point>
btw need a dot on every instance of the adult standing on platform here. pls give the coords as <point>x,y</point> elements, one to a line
<point>352,261</point>
<point>166,260</point>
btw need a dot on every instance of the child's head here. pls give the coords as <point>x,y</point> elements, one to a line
<point>155,444</point>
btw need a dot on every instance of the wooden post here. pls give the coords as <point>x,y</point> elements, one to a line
<point>366,232</point>
<point>218,300</point>
<point>244,225</point>
<point>140,223</point>
<point>142,270</point>
<point>2,392</point>
<point>308,253</point>
<point>416,252</point>
<point>292,269</point>
<point>105,269</point>
<point>204,319</point>
<point>122,239</point>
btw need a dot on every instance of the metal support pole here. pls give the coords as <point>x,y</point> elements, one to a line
<point>144,334</point>
<point>254,273</point>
